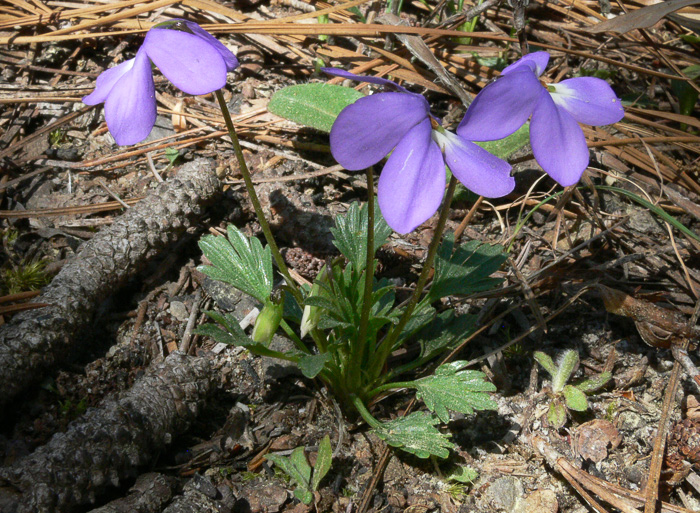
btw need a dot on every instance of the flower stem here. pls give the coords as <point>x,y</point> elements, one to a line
<point>366,415</point>
<point>256,202</point>
<point>358,352</point>
<point>387,344</point>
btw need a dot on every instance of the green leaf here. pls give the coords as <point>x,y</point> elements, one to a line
<point>298,459</point>
<point>546,362</point>
<point>296,467</point>
<point>444,333</point>
<point>556,416</point>
<point>566,365</point>
<point>594,383</point>
<point>504,148</point>
<point>311,365</point>
<point>323,462</point>
<point>451,388</point>
<point>314,105</point>
<point>575,399</point>
<point>416,434</point>
<point>240,261</point>
<point>463,474</point>
<point>467,269</point>
<point>350,234</point>
<point>356,11</point>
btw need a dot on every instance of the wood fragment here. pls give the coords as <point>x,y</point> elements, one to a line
<point>111,443</point>
<point>37,340</point>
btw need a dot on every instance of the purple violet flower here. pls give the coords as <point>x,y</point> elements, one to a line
<point>412,183</point>
<point>191,58</point>
<point>557,140</point>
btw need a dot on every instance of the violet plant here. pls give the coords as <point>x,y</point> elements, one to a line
<point>347,325</point>
<point>558,143</point>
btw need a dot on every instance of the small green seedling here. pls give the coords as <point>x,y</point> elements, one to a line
<point>567,397</point>
<point>297,467</point>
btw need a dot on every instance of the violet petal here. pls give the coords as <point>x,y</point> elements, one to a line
<point>479,170</point>
<point>501,107</point>
<point>412,182</point>
<point>366,131</point>
<point>130,108</point>
<point>589,100</point>
<point>192,64</point>
<point>535,62</point>
<point>105,82</point>
<point>337,72</point>
<point>230,59</point>
<point>558,142</point>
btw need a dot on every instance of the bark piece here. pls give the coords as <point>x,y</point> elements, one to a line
<point>148,495</point>
<point>201,496</point>
<point>109,443</point>
<point>35,341</point>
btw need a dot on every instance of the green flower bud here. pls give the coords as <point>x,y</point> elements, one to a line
<point>267,322</point>
<point>312,314</point>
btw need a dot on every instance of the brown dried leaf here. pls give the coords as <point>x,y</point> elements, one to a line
<point>641,18</point>
<point>593,439</point>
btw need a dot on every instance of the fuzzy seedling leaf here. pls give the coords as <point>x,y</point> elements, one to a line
<point>314,105</point>
<point>565,368</point>
<point>451,388</point>
<point>239,261</point>
<point>416,434</point>
<point>575,399</point>
<point>546,362</point>
<point>323,462</point>
<point>296,467</point>
<point>556,416</point>
<point>463,474</point>
<point>350,234</point>
<point>466,269</point>
<point>311,365</point>
<point>594,383</point>
<point>504,148</point>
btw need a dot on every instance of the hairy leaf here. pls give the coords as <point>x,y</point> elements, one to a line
<point>350,234</point>
<point>504,148</point>
<point>566,365</point>
<point>444,333</point>
<point>323,462</point>
<point>466,269</point>
<point>416,434</point>
<point>311,365</point>
<point>594,383</point>
<point>240,261</point>
<point>575,399</point>
<point>556,416</point>
<point>451,388</point>
<point>546,362</point>
<point>314,105</point>
<point>296,467</point>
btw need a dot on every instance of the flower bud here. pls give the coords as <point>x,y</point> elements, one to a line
<point>312,314</point>
<point>267,322</point>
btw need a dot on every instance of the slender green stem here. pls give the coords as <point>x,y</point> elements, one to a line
<point>256,202</point>
<point>358,352</point>
<point>387,344</point>
<point>294,337</point>
<point>366,415</point>
<point>391,386</point>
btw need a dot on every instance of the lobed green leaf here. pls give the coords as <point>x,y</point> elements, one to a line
<point>451,388</point>
<point>416,434</point>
